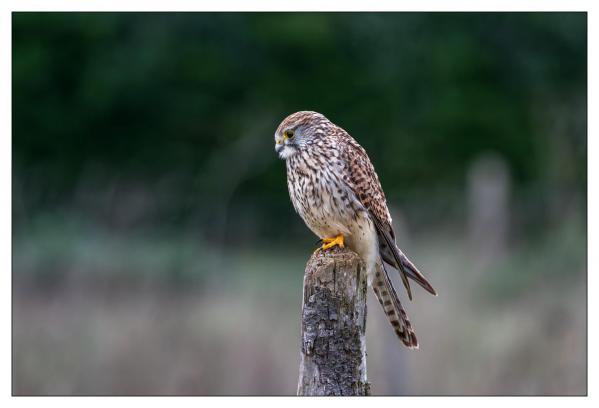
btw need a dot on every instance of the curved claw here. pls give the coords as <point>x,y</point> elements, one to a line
<point>331,242</point>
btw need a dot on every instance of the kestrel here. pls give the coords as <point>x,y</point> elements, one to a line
<point>334,188</point>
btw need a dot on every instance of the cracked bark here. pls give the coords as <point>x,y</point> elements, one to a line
<point>333,342</point>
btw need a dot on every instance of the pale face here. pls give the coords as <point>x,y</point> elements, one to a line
<point>297,132</point>
<point>287,143</point>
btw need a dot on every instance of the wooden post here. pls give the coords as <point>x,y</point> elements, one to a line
<point>333,346</point>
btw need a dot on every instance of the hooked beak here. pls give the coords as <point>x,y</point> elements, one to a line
<point>279,144</point>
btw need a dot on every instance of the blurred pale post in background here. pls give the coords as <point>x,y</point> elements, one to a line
<point>489,192</point>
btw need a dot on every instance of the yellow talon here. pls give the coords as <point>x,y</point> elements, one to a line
<point>331,242</point>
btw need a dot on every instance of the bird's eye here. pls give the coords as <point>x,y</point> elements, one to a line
<point>288,134</point>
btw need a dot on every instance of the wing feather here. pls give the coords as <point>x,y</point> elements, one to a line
<point>397,261</point>
<point>366,185</point>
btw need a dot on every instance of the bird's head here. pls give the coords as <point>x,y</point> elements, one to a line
<point>297,131</point>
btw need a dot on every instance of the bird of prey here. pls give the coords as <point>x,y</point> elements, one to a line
<point>334,188</point>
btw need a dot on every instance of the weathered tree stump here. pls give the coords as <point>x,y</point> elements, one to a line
<point>333,349</point>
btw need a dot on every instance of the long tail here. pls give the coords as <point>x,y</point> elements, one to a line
<point>385,293</point>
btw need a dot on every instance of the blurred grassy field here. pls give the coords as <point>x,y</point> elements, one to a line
<point>96,313</point>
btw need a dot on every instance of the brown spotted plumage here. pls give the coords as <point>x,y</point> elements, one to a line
<point>334,188</point>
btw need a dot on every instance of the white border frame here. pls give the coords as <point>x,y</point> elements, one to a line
<point>8,6</point>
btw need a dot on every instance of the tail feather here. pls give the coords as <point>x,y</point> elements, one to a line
<point>387,297</point>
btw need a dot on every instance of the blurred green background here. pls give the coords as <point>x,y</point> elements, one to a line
<point>155,249</point>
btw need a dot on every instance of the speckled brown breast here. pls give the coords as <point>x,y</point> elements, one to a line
<point>318,192</point>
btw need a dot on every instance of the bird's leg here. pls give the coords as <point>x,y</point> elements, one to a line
<point>331,242</point>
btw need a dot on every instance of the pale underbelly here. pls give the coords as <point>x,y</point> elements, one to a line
<point>327,221</point>
<point>359,235</point>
